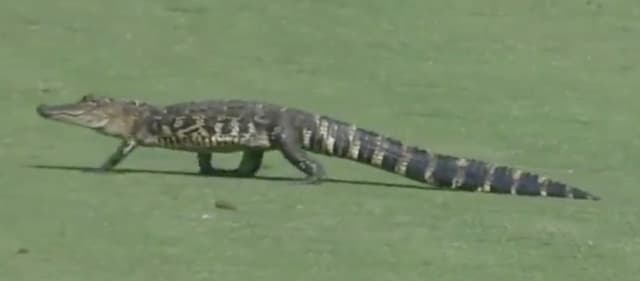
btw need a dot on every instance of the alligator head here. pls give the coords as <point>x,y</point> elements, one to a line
<point>106,115</point>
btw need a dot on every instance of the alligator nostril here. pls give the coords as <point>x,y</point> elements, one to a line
<point>42,110</point>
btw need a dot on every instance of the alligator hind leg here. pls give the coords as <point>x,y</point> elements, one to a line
<point>292,151</point>
<point>248,167</point>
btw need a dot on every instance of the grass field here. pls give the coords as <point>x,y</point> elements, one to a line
<point>543,85</point>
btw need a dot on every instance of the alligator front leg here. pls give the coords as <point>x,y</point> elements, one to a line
<point>124,149</point>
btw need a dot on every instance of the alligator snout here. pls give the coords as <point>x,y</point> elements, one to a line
<point>43,110</point>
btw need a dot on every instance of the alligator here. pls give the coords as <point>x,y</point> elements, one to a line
<point>253,128</point>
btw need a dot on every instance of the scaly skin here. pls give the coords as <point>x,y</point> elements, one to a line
<point>226,126</point>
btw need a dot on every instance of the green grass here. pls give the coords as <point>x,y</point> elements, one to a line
<point>546,85</point>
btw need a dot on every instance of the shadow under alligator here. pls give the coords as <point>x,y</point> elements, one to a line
<point>268,178</point>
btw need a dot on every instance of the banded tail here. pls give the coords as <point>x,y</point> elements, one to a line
<point>339,139</point>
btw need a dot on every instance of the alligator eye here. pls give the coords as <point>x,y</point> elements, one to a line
<point>87,98</point>
<point>138,103</point>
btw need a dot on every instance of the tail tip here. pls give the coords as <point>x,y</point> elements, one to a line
<point>581,194</point>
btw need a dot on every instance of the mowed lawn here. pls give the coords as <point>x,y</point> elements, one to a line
<point>551,86</point>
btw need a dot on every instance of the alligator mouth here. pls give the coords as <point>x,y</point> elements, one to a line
<point>72,114</point>
<point>48,111</point>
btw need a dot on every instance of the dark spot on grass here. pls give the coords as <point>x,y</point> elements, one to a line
<point>595,4</point>
<point>221,204</point>
<point>582,122</point>
<point>46,90</point>
<point>627,68</point>
<point>30,22</point>
<point>22,251</point>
